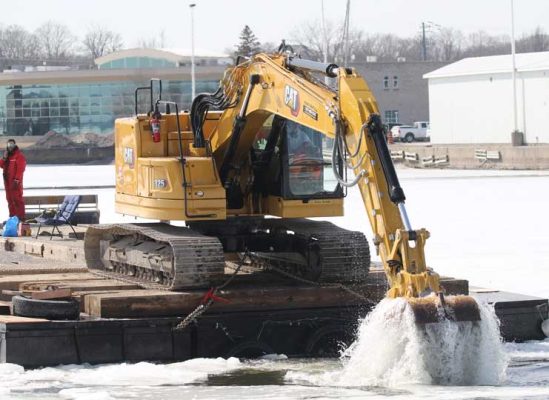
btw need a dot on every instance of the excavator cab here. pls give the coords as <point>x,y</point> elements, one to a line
<point>294,161</point>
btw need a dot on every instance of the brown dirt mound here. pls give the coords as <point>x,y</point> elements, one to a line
<point>94,140</point>
<point>53,140</point>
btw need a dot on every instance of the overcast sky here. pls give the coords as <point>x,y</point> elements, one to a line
<point>219,22</point>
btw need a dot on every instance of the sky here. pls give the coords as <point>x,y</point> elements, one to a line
<point>218,22</point>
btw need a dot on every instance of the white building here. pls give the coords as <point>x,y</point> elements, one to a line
<point>471,101</point>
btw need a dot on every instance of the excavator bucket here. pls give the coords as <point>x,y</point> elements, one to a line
<point>434,309</point>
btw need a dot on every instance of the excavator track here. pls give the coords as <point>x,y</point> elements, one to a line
<point>328,253</point>
<point>157,256</point>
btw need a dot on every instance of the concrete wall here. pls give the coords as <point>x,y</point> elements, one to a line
<point>462,156</point>
<point>479,108</point>
<point>410,98</point>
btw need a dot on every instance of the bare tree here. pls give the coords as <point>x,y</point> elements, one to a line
<point>311,42</point>
<point>56,41</point>
<point>17,44</point>
<point>100,41</point>
<point>158,42</point>
<point>480,44</point>
<point>447,45</point>
<point>387,47</point>
<point>536,41</point>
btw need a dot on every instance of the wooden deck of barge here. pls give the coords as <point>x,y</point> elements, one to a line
<point>264,313</point>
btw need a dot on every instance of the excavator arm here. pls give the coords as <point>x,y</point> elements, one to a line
<point>282,85</point>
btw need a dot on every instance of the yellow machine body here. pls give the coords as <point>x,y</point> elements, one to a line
<point>157,180</point>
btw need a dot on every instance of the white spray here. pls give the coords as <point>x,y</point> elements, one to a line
<point>391,350</point>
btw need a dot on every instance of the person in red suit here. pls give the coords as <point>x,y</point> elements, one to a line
<point>13,163</point>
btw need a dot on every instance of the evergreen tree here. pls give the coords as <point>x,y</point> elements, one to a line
<point>249,44</point>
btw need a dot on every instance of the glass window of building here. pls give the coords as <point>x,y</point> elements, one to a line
<point>80,107</point>
<point>391,116</point>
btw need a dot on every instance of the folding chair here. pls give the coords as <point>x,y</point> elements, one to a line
<point>63,216</point>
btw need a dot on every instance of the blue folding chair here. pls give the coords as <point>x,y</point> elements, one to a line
<point>63,216</point>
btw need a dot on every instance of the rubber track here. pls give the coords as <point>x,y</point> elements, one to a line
<point>344,254</point>
<point>198,259</point>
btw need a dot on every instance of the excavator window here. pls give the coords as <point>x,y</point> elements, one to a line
<point>307,166</point>
<point>293,161</point>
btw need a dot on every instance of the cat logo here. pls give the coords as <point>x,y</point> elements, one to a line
<point>291,99</point>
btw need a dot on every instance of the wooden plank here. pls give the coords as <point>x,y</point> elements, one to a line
<point>12,319</point>
<point>40,269</point>
<point>144,303</point>
<point>92,284</point>
<point>51,294</point>
<point>13,282</point>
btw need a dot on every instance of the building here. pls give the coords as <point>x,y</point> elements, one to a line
<point>160,58</point>
<point>399,88</point>
<point>74,101</point>
<point>471,101</point>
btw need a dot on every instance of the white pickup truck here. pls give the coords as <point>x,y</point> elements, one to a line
<point>409,133</point>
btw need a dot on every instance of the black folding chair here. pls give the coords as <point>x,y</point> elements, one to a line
<point>63,216</point>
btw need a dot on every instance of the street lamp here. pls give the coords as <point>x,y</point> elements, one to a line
<point>514,73</point>
<point>193,84</point>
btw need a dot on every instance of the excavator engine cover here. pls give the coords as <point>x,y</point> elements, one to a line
<point>435,309</point>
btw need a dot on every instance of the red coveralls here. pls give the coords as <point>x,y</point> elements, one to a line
<point>13,168</point>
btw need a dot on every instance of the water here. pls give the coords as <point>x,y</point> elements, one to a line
<point>391,357</point>
<point>487,226</point>
<point>391,350</point>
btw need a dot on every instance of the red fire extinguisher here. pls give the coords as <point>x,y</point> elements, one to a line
<point>155,125</point>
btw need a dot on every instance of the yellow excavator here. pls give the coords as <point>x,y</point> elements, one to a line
<point>273,141</point>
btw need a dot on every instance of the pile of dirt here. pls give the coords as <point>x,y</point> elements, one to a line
<point>91,139</point>
<point>52,140</point>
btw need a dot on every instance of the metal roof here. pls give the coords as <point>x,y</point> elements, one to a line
<point>493,65</point>
<point>174,55</point>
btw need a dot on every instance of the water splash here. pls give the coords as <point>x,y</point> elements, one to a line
<point>392,350</point>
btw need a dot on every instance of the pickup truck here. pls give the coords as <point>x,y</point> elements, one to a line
<point>409,133</point>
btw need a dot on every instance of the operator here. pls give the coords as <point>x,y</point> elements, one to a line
<point>13,163</point>
<point>299,143</point>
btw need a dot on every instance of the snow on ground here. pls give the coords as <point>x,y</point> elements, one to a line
<point>489,227</point>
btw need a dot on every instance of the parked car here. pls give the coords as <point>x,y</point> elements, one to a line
<point>409,133</point>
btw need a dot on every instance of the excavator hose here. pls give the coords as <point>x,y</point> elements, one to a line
<point>375,129</point>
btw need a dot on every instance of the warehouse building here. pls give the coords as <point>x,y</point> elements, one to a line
<point>399,88</point>
<point>471,101</point>
<point>34,100</point>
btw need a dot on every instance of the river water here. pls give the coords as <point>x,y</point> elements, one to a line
<point>487,226</point>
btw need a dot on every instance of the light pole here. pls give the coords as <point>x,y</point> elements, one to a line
<point>193,83</point>
<point>514,74</point>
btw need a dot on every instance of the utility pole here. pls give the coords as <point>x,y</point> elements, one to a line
<point>423,42</point>
<point>193,82</point>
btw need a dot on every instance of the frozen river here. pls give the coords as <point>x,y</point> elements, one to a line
<point>490,227</point>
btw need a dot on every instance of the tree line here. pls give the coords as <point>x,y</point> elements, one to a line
<point>442,44</point>
<point>54,44</point>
